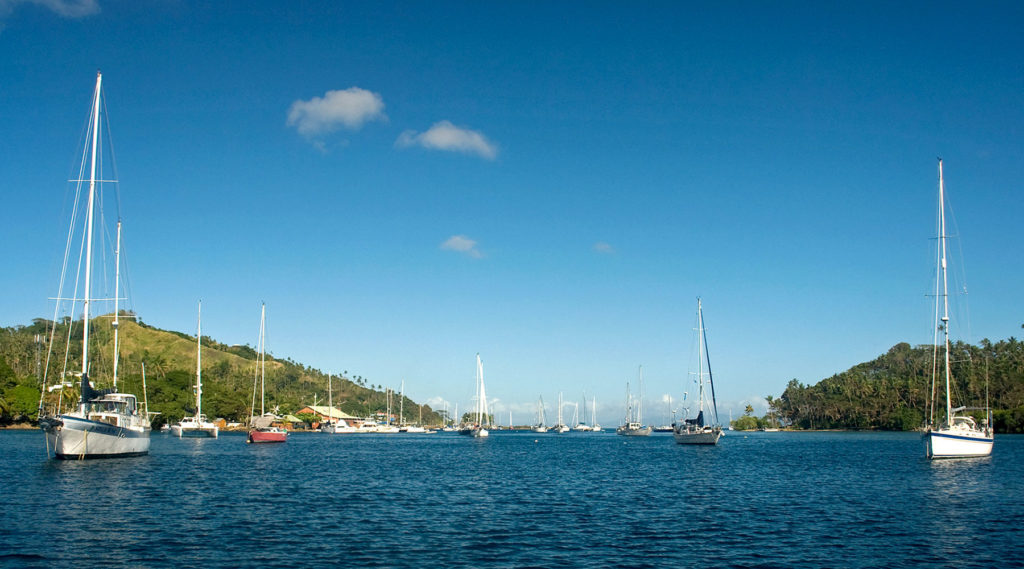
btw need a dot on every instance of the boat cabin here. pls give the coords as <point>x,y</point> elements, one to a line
<point>111,408</point>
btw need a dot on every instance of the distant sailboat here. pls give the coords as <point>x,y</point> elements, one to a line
<point>633,425</point>
<point>666,428</point>
<point>580,424</point>
<point>540,426</point>
<point>480,414</point>
<point>560,426</point>
<point>107,423</point>
<point>958,435</point>
<point>198,425</point>
<point>698,431</point>
<point>261,428</point>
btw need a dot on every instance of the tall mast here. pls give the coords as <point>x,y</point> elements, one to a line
<point>263,359</point>
<point>88,228</point>
<point>707,357</point>
<point>199,362</point>
<point>700,354</point>
<point>945,291</point>
<point>640,402</point>
<point>117,283</point>
<point>481,403</point>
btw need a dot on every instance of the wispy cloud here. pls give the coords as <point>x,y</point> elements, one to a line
<point>604,248</point>
<point>65,8</point>
<point>462,244</point>
<point>350,108</point>
<point>446,136</point>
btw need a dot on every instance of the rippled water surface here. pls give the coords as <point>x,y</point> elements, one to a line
<point>515,500</point>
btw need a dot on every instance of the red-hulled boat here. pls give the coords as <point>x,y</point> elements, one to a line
<point>268,435</point>
<point>262,429</point>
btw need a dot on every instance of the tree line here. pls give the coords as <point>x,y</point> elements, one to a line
<point>895,390</point>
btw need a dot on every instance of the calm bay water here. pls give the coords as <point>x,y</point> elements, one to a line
<point>515,500</point>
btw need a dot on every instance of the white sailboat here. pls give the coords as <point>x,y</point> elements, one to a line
<point>633,425</point>
<point>698,431</point>
<point>580,424</point>
<point>560,426</point>
<point>595,426</point>
<point>480,414</point>
<point>334,425</point>
<point>197,425</point>
<point>105,424</point>
<point>958,435</point>
<point>540,426</point>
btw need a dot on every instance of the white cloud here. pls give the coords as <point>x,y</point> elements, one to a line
<point>436,402</point>
<point>65,8</point>
<point>446,136</point>
<point>602,247</point>
<point>350,108</point>
<point>462,244</point>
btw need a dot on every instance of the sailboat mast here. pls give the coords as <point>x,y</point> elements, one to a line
<point>700,355</point>
<point>88,228</point>
<point>117,289</point>
<point>945,291</point>
<point>482,411</point>
<point>707,358</point>
<point>199,362</point>
<point>263,359</point>
<point>640,403</point>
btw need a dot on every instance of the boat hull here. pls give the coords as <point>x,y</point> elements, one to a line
<point>633,432</point>
<point>75,438</point>
<point>257,436</point>
<point>957,443</point>
<point>701,437</point>
<point>194,432</point>
<point>189,429</point>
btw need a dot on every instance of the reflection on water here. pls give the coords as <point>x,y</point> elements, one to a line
<point>515,499</point>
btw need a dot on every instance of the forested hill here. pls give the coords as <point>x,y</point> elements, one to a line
<point>892,392</point>
<point>170,364</point>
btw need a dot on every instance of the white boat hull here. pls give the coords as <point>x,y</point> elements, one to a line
<point>957,443</point>
<point>633,432</point>
<point>697,437</point>
<point>194,432</point>
<point>480,433</point>
<point>77,438</point>
<point>188,429</point>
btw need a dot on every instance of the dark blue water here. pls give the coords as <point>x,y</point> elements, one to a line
<point>515,500</point>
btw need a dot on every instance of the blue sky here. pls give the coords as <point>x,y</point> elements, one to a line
<point>550,184</point>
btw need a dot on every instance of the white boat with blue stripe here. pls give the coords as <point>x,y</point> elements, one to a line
<point>104,423</point>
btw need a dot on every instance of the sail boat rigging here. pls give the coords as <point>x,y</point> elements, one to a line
<point>540,426</point>
<point>958,435</point>
<point>480,414</point>
<point>262,429</point>
<point>696,431</point>
<point>198,425</point>
<point>633,425</point>
<point>106,423</point>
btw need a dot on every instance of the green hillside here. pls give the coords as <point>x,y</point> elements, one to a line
<point>892,391</point>
<point>170,363</point>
